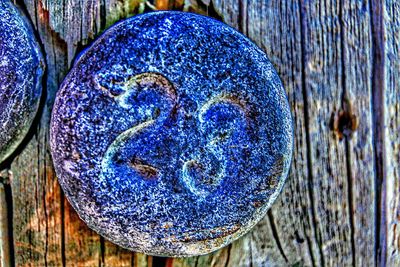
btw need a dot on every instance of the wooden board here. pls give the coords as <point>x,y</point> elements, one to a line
<point>339,63</point>
<point>387,77</point>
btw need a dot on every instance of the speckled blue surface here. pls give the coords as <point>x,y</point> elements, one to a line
<point>172,134</point>
<point>21,71</point>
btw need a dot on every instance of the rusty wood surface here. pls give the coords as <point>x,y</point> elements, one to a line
<point>339,62</point>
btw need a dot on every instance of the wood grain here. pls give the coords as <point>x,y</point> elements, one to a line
<point>5,250</point>
<point>390,197</point>
<point>339,63</point>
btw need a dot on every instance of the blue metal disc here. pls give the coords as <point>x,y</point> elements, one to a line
<point>172,134</point>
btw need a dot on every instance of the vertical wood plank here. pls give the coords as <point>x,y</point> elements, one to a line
<point>82,245</point>
<point>391,150</point>
<point>353,125</point>
<point>323,86</point>
<point>36,195</point>
<point>140,260</point>
<point>335,57</point>
<point>117,256</point>
<point>29,210</point>
<point>378,86</point>
<point>5,260</point>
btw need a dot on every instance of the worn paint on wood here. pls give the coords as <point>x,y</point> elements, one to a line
<point>339,62</point>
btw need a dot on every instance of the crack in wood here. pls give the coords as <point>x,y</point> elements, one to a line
<point>102,251</point>
<point>347,145</point>
<point>378,113</point>
<point>303,25</point>
<point>276,235</point>
<point>6,225</point>
<point>228,255</point>
<point>62,214</point>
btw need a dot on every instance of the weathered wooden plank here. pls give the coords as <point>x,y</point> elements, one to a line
<point>5,256</point>
<point>37,221</point>
<point>354,122</point>
<point>82,245</point>
<point>327,37</point>
<point>140,260</point>
<point>78,22</point>
<point>114,255</point>
<point>169,5</point>
<point>30,231</point>
<point>390,196</point>
<point>327,213</point>
<point>378,86</point>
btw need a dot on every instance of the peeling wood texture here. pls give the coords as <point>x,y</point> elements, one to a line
<point>340,64</point>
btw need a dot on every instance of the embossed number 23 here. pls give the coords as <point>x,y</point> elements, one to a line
<point>221,119</point>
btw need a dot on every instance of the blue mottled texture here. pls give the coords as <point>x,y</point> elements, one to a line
<point>21,71</point>
<point>172,134</point>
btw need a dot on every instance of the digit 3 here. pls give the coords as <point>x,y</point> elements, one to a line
<point>127,158</point>
<point>224,121</point>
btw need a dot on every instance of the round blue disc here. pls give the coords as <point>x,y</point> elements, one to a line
<point>21,71</point>
<point>172,134</point>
